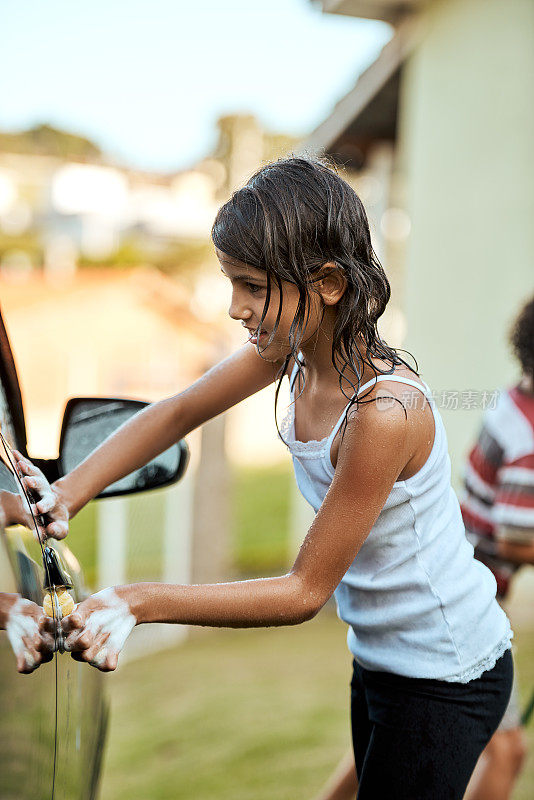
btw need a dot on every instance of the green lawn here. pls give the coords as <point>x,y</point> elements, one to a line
<point>247,715</point>
<point>231,714</point>
<point>259,535</point>
<point>261,499</point>
<point>524,659</point>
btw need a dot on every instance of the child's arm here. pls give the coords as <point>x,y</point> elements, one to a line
<point>514,510</point>
<point>343,783</point>
<point>517,552</point>
<point>376,447</point>
<point>150,432</point>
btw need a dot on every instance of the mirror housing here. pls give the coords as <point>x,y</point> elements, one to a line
<point>88,421</point>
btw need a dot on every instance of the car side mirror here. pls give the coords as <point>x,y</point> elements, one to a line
<point>88,421</point>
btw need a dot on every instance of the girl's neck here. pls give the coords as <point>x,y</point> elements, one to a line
<point>317,352</point>
<point>526,384</point>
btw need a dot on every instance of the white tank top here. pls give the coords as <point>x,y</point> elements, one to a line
<point>416,600</point>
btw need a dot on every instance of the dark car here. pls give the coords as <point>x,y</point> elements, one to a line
<point>53,721</point>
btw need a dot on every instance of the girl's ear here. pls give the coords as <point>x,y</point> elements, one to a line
<point>330,283</point>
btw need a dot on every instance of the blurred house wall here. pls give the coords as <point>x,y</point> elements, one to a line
<point>123,333</point>
<point>468,131</point>
<point>451,93</point>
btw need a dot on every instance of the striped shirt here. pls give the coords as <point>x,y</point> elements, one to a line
<point>498,501</point>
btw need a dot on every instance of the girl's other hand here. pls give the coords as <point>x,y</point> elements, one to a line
<point>31,645</point>
<point>50,504</point>
<point>13,510</point>
<point>98,628</point>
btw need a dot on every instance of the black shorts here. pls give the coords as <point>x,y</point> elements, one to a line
<point>420,739</point>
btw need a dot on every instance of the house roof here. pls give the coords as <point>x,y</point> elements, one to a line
<point>369,111</point>
<point>392,11</point>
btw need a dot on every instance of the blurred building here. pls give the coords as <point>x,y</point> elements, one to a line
<point>124,333</point>
<point>55,213</point>
<point>444,120</point>
<point>66,210</point>
<point>109,286</point>
<point>59,210</point>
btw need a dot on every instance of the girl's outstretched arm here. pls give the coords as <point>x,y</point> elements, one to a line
<point>376,447</point>
<point>150,432</point>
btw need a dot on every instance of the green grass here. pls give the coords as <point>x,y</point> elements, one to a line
<point>145,546</point>
<point>260,500</point>
<point>524,659</point>
<point>247,715</point>
<point>233,714</point>
<point>260,527</point>
<point>82,542</point>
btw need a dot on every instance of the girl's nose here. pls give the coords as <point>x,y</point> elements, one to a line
<point>238,309</point>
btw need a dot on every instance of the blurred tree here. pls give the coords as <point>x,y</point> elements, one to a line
<point>27,242</point>
<point>49,141</point>
<point>173,257</point>
<point>243,146</point>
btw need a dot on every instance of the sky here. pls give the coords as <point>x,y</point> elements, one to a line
<point>147,80</point>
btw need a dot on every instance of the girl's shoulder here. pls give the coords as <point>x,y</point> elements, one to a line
<point>402,409</point>
<point>403,379</point>
<point>403,388</point>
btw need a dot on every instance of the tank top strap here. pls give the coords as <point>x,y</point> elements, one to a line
<point>342,417</point>
<point>423,387</point>
<point>372,382</point>
<point>293,376</point>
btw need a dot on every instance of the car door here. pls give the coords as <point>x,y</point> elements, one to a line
<point>53,721</point>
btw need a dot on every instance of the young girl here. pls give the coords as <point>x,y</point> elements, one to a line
<point>432,664</point>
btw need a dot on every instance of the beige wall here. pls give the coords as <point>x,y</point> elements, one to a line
<point>467,133</point>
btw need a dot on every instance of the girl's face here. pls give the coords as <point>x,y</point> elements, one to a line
<point>249,291</point>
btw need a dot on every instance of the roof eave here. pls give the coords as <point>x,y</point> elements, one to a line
<point>367,86</point>
<point>392,11</point>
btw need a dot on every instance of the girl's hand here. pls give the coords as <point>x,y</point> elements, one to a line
<point>98,628</point>
<point>50,504</point>
<point>22,618</point>
<point>13,510</point>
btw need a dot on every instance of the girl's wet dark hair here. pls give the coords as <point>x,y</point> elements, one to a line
<point>522,338</point>
<point>290,219</point>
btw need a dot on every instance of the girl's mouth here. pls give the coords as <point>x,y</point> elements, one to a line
<point>254,338</point>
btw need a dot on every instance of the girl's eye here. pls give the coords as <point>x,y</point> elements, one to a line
<point>253,288</point>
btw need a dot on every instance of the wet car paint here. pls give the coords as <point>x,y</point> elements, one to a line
<point>28,702</point>
<point>53,721</point>
<point>61,691</point>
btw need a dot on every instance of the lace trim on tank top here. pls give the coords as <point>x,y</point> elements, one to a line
<point>311,447</point>
<point>485,664</point>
